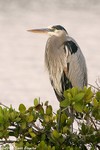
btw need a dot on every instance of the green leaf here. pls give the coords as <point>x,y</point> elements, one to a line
<point>83,128</point>
<point>12,115</point>
<point>53,148</point>
<point>98,96</point>
<point>67,94</point>
<point>65,103</point>
<point>74,91</point>
<point>23,125</point>
<point>36,102</point>
<point>1,127</point>
<point>1,118</point>
<point>49,110</point>
<point>86,109</point>
<point>88,95</point>
<point>47,118</point>
<point>42,146</point>
<point>30,130</point>
<point>32,134</point>
<point>41,110</point>
<point>56,134</point>
<point>63,118</point>
<point>78,107</point>
<point>79,97</point>
<point>69,122</point>
<point>1,135</point>
<point>65,129</point>
<point>1,110</point>
<point>17,119</point>
<point>20,144</point>
<point>22,108</point>
<point>30,118</point>
<point>70,148</point>
<point>95,102</point>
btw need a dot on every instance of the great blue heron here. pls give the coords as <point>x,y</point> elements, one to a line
<point>64,60</point>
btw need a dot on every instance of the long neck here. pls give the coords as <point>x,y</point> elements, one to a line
<point>54,43</point>
<point>54,53</point>
<point>55,60</point>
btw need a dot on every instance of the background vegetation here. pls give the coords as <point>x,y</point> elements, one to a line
<point>38,127</point>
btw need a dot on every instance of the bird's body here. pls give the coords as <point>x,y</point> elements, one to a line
<point>64,61</point>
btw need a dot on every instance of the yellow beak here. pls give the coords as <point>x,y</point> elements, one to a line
<point>44,30</point>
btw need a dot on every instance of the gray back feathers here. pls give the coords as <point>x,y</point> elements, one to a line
<point>65,63</point>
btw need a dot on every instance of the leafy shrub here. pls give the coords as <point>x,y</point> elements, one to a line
<point>39,128</point>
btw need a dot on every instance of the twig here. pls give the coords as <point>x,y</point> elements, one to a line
<point>59,119</point>
<point>94,87</point>
<point>97,83</point>
<point>10,141</point>
<point>93,122</point>
<point>4,105</point>
<point>64,109</point>
<point>54,113</point>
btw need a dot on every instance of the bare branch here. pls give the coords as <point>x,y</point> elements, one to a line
<point>94,87</point>
<point>4,105</point>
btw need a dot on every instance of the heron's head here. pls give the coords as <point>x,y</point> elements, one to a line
<point>51,30</point>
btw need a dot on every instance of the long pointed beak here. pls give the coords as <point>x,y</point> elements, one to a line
<point>44,30</point>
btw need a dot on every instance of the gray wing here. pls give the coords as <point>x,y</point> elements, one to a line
<point>75,70</point>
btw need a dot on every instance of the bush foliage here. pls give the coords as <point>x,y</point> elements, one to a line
<point>39,128</point>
